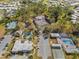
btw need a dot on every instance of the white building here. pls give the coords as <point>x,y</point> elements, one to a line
<point>22,46</point>
<point>54,35</point>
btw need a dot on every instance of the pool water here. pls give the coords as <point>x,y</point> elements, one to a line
<point>68,42</point>
<point>11,25</point>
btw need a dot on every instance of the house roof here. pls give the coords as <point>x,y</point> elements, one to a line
<point>54,34</point>
<point>22,46</point>
<point>63,35</point>
<point>40,20</point>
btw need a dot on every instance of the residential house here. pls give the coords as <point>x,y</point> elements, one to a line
<point>23,46</point>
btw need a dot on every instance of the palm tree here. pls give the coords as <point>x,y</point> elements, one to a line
<point>68,27</point>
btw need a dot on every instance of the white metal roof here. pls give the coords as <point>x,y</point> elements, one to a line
<point>25,46</point>
<point>56,45</point>
<point>54,34</point>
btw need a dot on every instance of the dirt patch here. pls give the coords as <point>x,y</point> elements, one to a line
<point>2,31</point>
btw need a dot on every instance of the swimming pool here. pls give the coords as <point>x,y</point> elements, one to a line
<point>11,25</point>
<point>67,44</point>
<point>67,41</point>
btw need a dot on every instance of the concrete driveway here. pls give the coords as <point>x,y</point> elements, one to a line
<point>44,50</point>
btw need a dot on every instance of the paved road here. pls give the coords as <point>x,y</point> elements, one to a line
<point>44,50</point>
<point>4,42</point>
